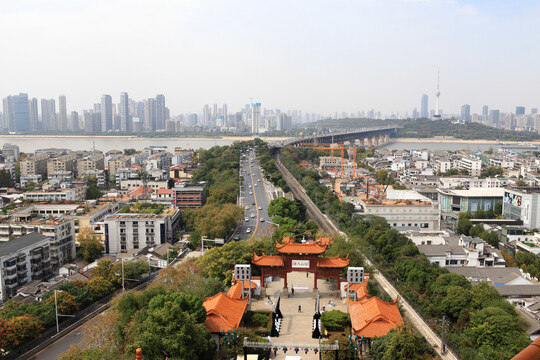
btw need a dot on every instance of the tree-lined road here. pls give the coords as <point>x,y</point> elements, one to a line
<point>253,197</point>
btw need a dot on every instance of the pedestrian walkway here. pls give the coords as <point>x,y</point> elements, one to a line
<point>297,326</point>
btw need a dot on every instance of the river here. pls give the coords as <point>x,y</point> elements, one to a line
<point>30,144</point>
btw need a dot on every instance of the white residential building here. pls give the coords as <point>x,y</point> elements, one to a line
<point>473,166</point>
<point>23,259</point>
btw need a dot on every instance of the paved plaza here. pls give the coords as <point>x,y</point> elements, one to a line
<point>297,326</point>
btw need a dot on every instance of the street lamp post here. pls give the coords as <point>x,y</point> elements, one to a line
<point>56,311</point>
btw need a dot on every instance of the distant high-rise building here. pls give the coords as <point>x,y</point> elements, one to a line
<point>123,111</point>
<point>255,112</point>
<point>48,114</point>
<point>206,115</point>
<point>534,111</point>
<point>150,111</point>
<point>437,94</point>
<point>283,122</point>
<point>224,112</point>
<point>16,113</point>
<point>520,110</point>
<point>62,115</point>
<point>160,112</point>
<point>466,113</point>
<point>414,114</point>
<point>106,113</point>
<point>423,107</point>
<point>75,121</point>
<point>33,113</point>
<point>494,118</point>
<point>485,110</point>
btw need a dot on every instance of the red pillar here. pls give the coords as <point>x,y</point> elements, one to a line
<point>285,281</point>
<point>338,282</point>
<point>262,277</point>
<point>315,280</point>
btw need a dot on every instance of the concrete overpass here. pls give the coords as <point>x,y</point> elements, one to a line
<point>370,137</point>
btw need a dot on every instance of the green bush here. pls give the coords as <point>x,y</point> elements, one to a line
<point>335,320</point>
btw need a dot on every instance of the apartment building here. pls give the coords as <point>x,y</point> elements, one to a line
<point>23,259</point>
<point>35,165</point>
<point>442,165</point>
<point>90,163</point>
<point>189,196</point>
<point>63,163</point>
<point>473,166</point>
<point>403,210</point>
<point>10,152</point>
<point>467,183</point>
<point>118,163</point>
<point>125,232</point>
<point>75,191</point>
<point>60,232</point>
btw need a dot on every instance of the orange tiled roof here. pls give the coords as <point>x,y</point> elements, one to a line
<point>236,290</point>
<point>136,166</point>
<point>140,190</point>
<point>332,262</point>
<point>164,191</point>
<point>223,312</point>
<point>324,241</point>
<point>296,248</point>
<point>267,260</point>
<point>374,317</point>
<point>531,352</point>
<point>361,289</point>
<point>288,240</point>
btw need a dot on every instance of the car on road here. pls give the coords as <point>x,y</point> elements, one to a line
<point>262,219</point>
<point>237,237</point>
<point>260,207</point>
<point>247,219</point>
<point>247,207</point>
<point>252,215</point>
<point>255,185</point>
<point>250,186</point>
<point>259,180</point>
<point>253,203</point>
<point>250,193</point>
<point>248,230</point>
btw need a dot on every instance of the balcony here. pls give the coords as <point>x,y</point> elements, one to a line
<point>10,265</point>
<point>10,275</point>
<point>21,259</point>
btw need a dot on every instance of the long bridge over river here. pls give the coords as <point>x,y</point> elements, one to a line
<point>370,137</point>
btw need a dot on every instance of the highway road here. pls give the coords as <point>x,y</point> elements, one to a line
<point>253,198</point>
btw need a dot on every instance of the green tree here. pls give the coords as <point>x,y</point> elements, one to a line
<point>27,327</point>
<point>383,178</point>
<point>8,335</point>
<point>99,287</point>
<point>129,151</point>
<point>5,178</point>
<point>464,225</point>
<point>165,329</point>
<point>401,343</point>
<point>66,303</point>
<point>91,247</point>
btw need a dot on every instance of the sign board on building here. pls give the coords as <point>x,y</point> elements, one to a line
<point>512,199</point>
<point>162,264</point>
<point>242,272</point>
<point>302,264</point>
<point>355,275</point>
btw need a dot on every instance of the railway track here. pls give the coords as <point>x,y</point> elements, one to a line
<point>312,210</point>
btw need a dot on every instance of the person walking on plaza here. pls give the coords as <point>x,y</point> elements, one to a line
<point>299,308</point>
<point>292,289</point>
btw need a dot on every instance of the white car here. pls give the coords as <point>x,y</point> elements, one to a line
<point>260,207</point>
<point>252,215</point>
<point>262,219</point>
<point>250,193</point>
<point>247,219</point>
<point>248,230</point>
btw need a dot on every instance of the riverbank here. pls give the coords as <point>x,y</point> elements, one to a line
<point>129,137</point>
<point>449,139</point>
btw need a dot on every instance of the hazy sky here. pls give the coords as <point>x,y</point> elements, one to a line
<point>318,56</point>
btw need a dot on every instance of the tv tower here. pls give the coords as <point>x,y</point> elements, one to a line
<point>437,115</point>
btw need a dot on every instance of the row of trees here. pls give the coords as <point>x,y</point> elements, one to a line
<point>21,322</point>
<point>291,218</point>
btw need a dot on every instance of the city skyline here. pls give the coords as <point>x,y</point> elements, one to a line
<point>381,55</point>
